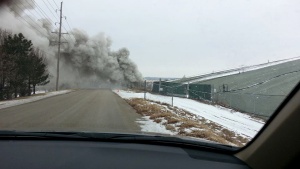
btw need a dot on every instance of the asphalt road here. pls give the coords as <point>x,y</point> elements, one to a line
<point>83,110</point>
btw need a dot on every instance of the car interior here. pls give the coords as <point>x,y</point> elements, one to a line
<point>69,99</point>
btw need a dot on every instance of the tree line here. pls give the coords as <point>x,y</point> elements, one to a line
<point>22,66</point>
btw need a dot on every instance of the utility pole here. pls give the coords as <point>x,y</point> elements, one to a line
<point>145,87</point>
<point>59,43</point>
<point>188,90</point>
<point>172,96</point>
<point>58,54</point>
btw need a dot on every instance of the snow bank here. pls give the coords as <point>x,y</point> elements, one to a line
<point>237,122</point>
<point>10,103</point>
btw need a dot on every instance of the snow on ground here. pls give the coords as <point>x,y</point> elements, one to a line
<point>10,103</point>
<point>237,122</point>
<point>212,77</point>
<point>147,125</point>
<point>40,91</point>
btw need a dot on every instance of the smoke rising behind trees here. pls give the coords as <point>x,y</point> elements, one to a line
<point>86,61</point>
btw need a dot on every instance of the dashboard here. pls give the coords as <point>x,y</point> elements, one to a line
<point>37,154</point>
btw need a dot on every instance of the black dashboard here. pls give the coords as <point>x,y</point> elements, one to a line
<point>44,154</point>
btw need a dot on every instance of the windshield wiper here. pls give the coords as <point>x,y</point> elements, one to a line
<point>118,137</point>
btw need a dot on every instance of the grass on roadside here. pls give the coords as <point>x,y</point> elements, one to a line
<point>185,123</point>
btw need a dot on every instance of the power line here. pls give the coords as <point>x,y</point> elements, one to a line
<point>34,9</point>
<point>66,11</point>
<point>43,12</point>
<point>30,11</point>
<point>49,9</point>
<point>40,9</point>
<point>69,24</point>
<point>28,22</point>
<point>25,7</point>
<point>63,25</point>
<point>53,8</point>
<point>64,38</point>
<point>68,34</point>
<point>70,28</point>
<point>38,12</point>
<point>55,4</point>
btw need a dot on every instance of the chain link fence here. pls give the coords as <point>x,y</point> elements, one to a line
<point>260,105</point>
<point>192,91</point>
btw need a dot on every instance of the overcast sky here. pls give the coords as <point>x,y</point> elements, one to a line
<point>173,38</point>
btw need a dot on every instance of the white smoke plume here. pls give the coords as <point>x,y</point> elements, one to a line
<point>85,61</point>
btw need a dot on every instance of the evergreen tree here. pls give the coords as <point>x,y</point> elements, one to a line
<point>22,67</point>
<point>16,51</point>
<point>3,69</point>
<point>38,74</point>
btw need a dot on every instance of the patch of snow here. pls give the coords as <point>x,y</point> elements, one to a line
<point>40,91</point>
<point>163,121</point>
<point>188,130</point>
<point>10,103</point>
<point>212,77</point>
<point>147,125</point>
<point>237,122</point>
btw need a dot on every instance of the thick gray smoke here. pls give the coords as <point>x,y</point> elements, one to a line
<point>85,61</point>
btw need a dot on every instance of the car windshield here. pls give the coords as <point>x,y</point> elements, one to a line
<point>210,71</point>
